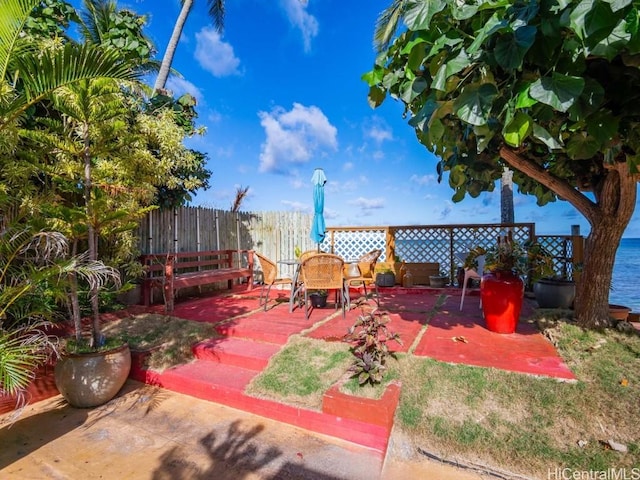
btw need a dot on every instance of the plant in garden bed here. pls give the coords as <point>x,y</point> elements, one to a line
<point>370,336</point>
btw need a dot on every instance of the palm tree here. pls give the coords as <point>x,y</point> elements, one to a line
<point>216,12</point>
<point>28,73</point>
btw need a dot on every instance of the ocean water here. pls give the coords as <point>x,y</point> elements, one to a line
<point>625,285</point>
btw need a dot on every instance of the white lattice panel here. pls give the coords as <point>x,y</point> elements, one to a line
<point>354,244</point>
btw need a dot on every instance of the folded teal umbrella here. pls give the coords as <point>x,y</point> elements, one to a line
<point>318,229</point>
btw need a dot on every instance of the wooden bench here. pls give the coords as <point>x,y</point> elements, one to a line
<point>173,271</point>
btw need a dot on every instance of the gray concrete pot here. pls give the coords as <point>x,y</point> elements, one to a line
<point>551,293</point>
<point>90,379</point>
<point>385,279</point>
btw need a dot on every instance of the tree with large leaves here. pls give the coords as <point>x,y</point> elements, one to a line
<point>216,12</point>
<point>550,89</point>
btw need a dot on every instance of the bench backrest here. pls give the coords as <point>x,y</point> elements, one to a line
<point>183,262</point>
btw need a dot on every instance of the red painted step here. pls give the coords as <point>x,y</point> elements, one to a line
<point>225,384</point>
<point>236,351</point>
<point>263,331</point>
<point>208,380</point>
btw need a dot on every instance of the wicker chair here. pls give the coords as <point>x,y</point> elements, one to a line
<point>270,274</point>
<point>323,271</point>
<point>367,267</point>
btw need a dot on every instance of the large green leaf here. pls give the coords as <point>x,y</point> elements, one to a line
<point>453,66</point>
<point>577,17</point>
<point>511,48</point>
<point>618,4</point>
<point>610,46</point>
<point>603,126</point>
<point>474,104</point>
<point>582,147</point>
<point>545,137</point>
<point>593,21</point>
<point>558,91</point>
<point>418,13</point>
<point>421,119</point>
<point>523,99</point>
<point>523,12</point>
<point>494,24</point>
<point>413,88</point>
<point>518,129</point>
<point>376,96</point>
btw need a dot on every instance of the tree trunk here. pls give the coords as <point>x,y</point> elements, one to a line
<point>167,60</point>
<point>91,235</point>
<point>592,290</point>
<point>609,215</point>
<point>506,197</point>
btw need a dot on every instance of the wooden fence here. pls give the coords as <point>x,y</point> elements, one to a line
<point>277,234</point>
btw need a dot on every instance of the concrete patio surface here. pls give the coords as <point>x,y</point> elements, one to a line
<point>151,433</point>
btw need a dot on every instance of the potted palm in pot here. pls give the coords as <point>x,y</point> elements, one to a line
<point>92,368</point>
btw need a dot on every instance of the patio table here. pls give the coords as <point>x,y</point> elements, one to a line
<point>295,288</point>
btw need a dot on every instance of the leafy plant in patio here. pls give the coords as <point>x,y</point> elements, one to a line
<point>370,335</point>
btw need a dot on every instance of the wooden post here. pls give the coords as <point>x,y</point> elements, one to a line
<point>390,240</point>
<point>168,283</point>
<point>577,250</point>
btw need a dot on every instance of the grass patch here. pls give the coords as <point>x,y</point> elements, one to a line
<point>513,421</point>
<point>527,424</point>
<point>302,371</point>
<point>169,338</point>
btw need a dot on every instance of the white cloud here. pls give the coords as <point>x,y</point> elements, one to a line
<point>180,86</point>
<point>377,130</point>
<point>296,11</point>
<point>296,206</point>
<point>347,166</point>
<point>368,203</point>
<point>423,180</point>
<point>294,136</point>
<point>215,55</point>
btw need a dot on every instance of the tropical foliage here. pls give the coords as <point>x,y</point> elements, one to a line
<point>549,89</point>
<point>35,274</point>
<point>84,155</point>
<point>370,336</point>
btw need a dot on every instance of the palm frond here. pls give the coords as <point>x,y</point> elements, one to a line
<point>387,24</point>
<point>22,350</point>
<point>13,16</point>
<point>42,75</point>
<point>216,12</point>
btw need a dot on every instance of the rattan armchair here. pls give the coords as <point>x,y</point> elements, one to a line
<point>323,271</point>
<point>367,267</point>
<point>270,278</point>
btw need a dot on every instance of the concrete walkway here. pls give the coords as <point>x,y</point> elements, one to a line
<point>150,433</point>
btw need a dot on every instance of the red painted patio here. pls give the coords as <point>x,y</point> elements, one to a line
<point>428,321</point>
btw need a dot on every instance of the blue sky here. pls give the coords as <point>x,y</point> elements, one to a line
<point>280,93</point>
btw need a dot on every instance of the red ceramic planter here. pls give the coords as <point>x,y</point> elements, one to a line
<point>501,294</point>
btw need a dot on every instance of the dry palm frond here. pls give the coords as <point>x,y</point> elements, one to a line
<point>241,193</point>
